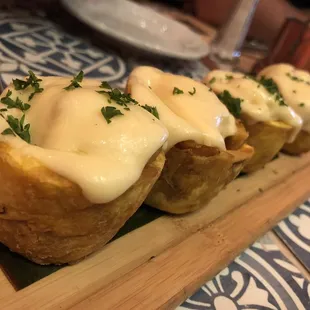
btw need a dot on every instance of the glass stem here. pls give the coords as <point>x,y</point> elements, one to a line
<point>226,47</point>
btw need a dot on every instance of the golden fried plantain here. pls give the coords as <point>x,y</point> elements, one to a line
<point>267,139</point>
<point>300,145</point>
<point>46,218</point>
<point>194,174</point>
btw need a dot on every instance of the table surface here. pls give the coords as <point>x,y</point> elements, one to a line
<point>34,43</point>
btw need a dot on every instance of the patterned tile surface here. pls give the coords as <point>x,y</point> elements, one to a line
<point>261,278</point>
<point>295,232</point>
<point>31,42</point>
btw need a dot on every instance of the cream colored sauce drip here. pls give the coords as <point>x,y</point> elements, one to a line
<point>72,138</point>
<point>200,117</point>
<point>295,93</point>
<point>258,104</point>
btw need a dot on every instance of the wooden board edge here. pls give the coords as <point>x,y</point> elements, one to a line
<point>123,255</point>
<point>167,280</point>
<point>6,287</point>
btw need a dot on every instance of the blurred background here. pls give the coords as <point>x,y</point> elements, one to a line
<point>259,36</point>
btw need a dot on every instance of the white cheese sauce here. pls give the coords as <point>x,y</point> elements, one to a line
<point>294,85</point>
<point>70,136</point>
<point>257,105</point>
<point>198,116</point>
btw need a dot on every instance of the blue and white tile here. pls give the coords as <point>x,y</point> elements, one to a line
<point>260,278</point>
<point>295,233</point>
<point>32,42</point>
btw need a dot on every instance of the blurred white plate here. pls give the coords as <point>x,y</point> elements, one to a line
<point>139,26</point>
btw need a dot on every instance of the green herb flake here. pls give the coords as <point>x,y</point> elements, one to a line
<point>18,128</point>
<point>294,91</point>
<point>8,131</point>
<point>212,80</point>
<point>273,89</point>
<point>110,112</point>
<point>152,110</point>
<point>294,78</point>
<point>233,104</point>
<point>105,85</point>
<point>32,81</point>
<point>301,104</point>
<point>11,104</point>
<point>119,97</point>
<point>192,93</point>
<point>75,82</point>
<point>177,91</point>
<point>229,77</point>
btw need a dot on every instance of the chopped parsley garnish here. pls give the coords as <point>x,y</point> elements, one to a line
<point>150,87</point>
<point>105,85</point>
<point>75,82</point>
<point>123,100</point>
<point>192,93</point>
<point>31,80</point>
<point>119,97</point>
<point>17,103</point>
<point>301,104</point>
<point>18,128</point>
<point>110,112</point>
<point>212,80</point>
<point>296,78</point>
<point>273,89</point>
<point>152,110</point>
<point>177,91</point>
<point>229,77</point>
<point>233,104</point>
<point>294,91</point>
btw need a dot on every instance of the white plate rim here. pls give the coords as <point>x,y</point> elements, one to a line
<point>186,55</point>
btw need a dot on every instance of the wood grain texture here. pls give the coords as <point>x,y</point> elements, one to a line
<point>6,289</point>
<point>181,244</point>
<point>165,281</point>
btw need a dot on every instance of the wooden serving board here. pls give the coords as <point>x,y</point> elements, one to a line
<point>160,264</point>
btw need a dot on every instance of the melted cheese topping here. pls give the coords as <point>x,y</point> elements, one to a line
<point>200,117</point>
<point>71,137</point>
<point>257,105</point>
<point>294,85</point>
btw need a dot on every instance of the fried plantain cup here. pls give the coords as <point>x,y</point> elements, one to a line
<point>267,139</point>
<point>300,145</point>
<point>194,174</point>
<point>293,85</point>
<point>269,123</point>
<point>46,218</point>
